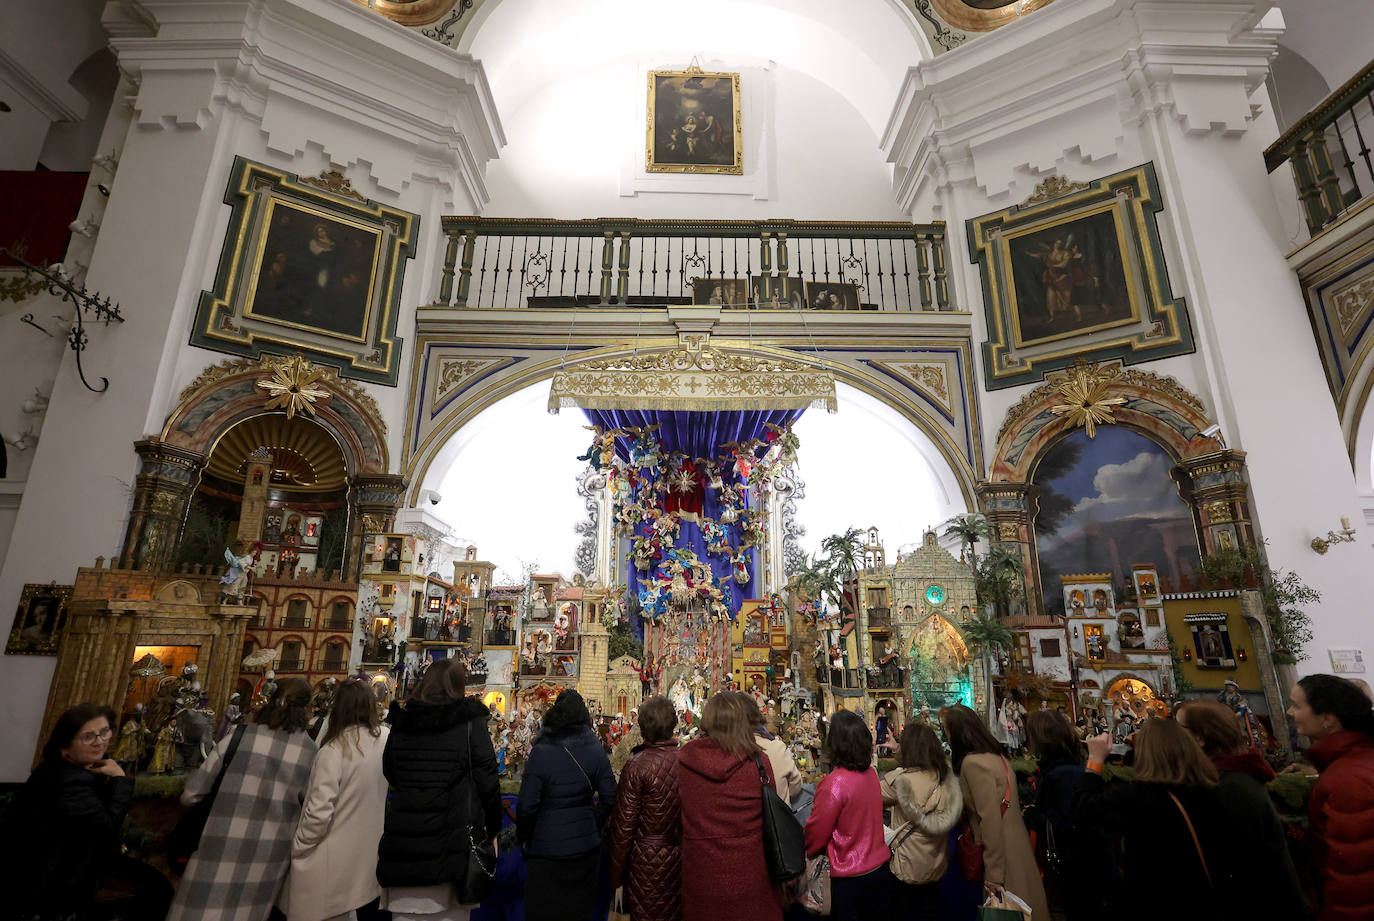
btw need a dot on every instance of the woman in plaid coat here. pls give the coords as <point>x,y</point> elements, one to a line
<point>237,872</point>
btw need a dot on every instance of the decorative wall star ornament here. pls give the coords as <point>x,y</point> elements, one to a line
<point>294,386</point>
<point>1084,389</point>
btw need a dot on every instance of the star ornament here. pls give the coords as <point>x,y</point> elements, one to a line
<point>294,386</point>
<point>1084,390</point>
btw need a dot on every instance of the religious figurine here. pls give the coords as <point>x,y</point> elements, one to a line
<point>240,567</point>
<point>680,696</point>
<point>163,750</point>
<point>602,452</point>
<point>1231,696</point>
<point>128,751</point>
<point>233,716</point>
<point>1015,713</point>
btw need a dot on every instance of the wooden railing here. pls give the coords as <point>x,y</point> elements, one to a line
<point>625,262</point>
<point>1330,154</point>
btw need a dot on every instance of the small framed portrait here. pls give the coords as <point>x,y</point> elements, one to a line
<point>769,293</point>
<point>391,560</point>
<point>38,622</point>
<point>309,265</point>
<point>832,295</point>
<point>693,123</point>
<point>1211,640</point>
<point>721,292</point>
<point>1077,271</point>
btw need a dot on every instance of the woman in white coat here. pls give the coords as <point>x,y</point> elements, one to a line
<point>334,855</point>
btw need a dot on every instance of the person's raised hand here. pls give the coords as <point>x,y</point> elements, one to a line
<point>1098,748</point>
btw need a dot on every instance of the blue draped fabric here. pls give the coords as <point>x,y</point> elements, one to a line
<point>698,434</point>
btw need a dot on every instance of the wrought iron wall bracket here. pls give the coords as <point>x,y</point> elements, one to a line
<point>100,308</point>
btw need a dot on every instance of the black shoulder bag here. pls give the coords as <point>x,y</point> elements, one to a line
<point>784,845</point>
<point>181,842</point>
<point>480,866</point>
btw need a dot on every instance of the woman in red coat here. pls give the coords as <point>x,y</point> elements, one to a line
<point>722,820</point>
<point>1335,714</point>
<point>646,824</point>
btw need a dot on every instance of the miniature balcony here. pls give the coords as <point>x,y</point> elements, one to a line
<point>291,665</point>
<point>879,617</point>
<point>499,638</point>
<point>295,623</point>
<point>883,682</point>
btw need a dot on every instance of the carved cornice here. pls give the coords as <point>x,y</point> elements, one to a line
<point>268,365</point>
<point>336,182</point>
<point>1053,187</point>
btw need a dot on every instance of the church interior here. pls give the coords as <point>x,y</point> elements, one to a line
<point>1100,271</point>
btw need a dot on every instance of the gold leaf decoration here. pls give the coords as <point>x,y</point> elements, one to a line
<point>1084,390</point>
<point>294,386</point>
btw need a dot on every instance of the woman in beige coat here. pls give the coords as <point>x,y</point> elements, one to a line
<point>926,803</point>
<point>787,777</point>
<point>334,855</point>
<point>993,809</point>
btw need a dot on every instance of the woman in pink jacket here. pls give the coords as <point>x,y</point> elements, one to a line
<point>847,824</point>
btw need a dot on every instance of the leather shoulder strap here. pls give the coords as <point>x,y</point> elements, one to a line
<point>224,766</point>
<point>1196,843</point>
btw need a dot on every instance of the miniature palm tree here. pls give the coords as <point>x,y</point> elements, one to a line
<point>968,529</point>
<point>999,578</point>
<point>815,580</point>
<point>990,635</point>
<point>845,554</point>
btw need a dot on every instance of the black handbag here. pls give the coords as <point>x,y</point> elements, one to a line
<point>784,845</point>
<point>184,838</point>
<point>480,866</point>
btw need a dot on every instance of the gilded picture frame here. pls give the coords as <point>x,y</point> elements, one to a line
<point>1077,271</point>
<point>308,265</point>
<point>38,623</point>
<point>686,126</point>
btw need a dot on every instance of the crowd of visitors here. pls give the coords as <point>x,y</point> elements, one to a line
<point>395,817</point>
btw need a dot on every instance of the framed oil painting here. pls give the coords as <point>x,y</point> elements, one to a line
<point>39,621</point>
<point>721,292</point>
<point>1077,271</point>
<point>832,295</point>
<point>693,123</point>
<point>309,265</point>
<point>781,294</point>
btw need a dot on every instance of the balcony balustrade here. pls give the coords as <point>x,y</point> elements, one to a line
<point>625,262</point>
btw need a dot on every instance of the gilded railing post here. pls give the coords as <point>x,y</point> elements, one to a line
<point>923,243</point>
<point>768,285</point>
<point>1325,175</point>
<point>607,263</point>
<point>465,271</point>
<point>622,283</point>
<point>937,255</point>
<point>450,263</point>
<point>783,265</point>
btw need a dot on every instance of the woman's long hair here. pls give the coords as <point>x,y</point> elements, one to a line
<point>1052,738</point>
<point>354,705</point>
<point>1214,725</point>
<point>725,719</point>
<point>444,682</point>
<point>1342,699</point>
<point>921,751</point>
<point>289,707</point>
<point>1166,753</point>
<point>967,735</point>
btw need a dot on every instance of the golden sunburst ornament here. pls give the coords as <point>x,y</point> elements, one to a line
<point>293,386</point>
<point>1084,389</point>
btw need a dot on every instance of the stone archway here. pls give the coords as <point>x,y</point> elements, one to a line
<point>222,397</point>
<point>1211,478</point>
<point>927,380</point>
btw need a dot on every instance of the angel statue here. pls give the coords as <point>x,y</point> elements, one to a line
<point>240,567</point>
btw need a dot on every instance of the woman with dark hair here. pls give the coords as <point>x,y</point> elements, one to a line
<point>786,776</point>
<point>334,855</point>
<point>245,851</point>
<point>566,796</point>
<point>1335,714</point>
<point>645,834</point>
<point>438,741</point>
<point>926,803</point>
<point>993,809</point>
<point>1171,807</point>
<point>846,824</point>
<point>1069,851</point>
<point>1266,882</point>
<point>64,824</point>
<point>722,819</point>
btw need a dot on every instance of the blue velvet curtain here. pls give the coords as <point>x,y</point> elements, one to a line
<point>698,434</point>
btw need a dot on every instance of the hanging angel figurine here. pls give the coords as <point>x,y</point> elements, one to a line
<point>644,451</point>
<point>240,567</point>
<point>601,454</point>
<point>710,473</point>
<point>782,443</point>
<point>743,454</point>
<point>740,562</point>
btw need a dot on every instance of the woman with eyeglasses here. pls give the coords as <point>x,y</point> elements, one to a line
<point>65,826</point>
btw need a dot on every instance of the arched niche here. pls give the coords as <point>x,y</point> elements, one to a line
<point>1210,478</point>
<point>225,396</point>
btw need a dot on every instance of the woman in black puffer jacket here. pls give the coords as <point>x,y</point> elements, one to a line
<point>566,796</point>
<point>437,739</point>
